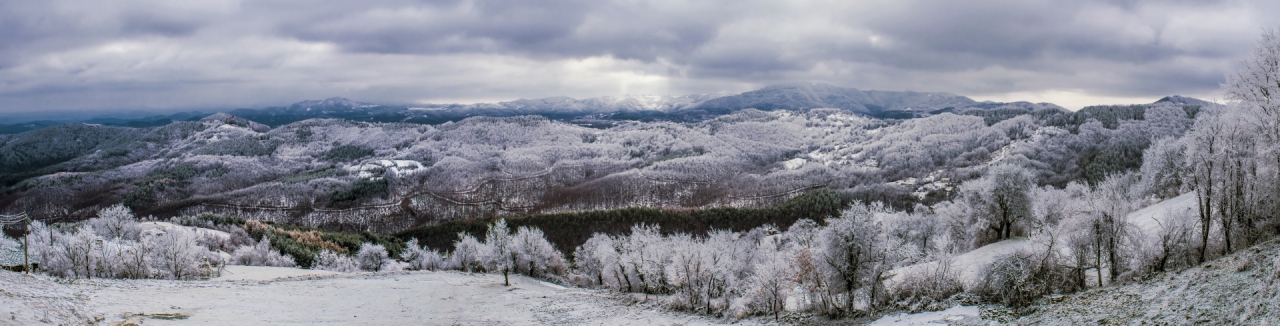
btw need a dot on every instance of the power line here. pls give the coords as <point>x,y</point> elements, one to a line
<point>12,219</point>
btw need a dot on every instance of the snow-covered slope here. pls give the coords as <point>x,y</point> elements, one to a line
<point>1239,289</point>
<point>1155,218</point>
<point>969,265</point>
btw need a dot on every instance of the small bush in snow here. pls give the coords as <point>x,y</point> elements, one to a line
<point>419,258</point>
<point>261,254</point>
<point>391,265</point>
<point>926,289</point>
<point>1019,278</point>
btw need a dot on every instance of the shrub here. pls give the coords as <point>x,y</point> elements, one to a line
<point>1018,279</point>
<point>331,261</point>
<point>419,258</point>
<point>261,254</point>
<point>926,289</point>
<point>303,243</point>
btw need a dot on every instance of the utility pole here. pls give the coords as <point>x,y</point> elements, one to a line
<point>26,255</point>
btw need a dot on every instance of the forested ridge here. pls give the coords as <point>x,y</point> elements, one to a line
<point>387,177</point>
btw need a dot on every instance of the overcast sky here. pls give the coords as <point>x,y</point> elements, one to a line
<point>165,54</point>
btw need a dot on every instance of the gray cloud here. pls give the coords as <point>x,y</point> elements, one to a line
<point>230,53</point>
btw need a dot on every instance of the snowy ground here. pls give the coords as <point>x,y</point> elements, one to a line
<point>260,273</point>
<point>1152,219</point>
<point>36,300</point>
<point>290,296</point>
<point>1239,289</point>
<point>285,296</point>
<point>953,315</point>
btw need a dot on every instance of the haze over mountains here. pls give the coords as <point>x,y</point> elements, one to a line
<point>598,111</point>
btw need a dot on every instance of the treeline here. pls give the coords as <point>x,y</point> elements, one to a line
<point>569,230</point>
<point>300,242</point>
<point>116,244</point>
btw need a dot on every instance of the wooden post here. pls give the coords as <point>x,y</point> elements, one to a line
<point>26,257</point>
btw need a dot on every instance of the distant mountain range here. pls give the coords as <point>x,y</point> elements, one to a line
<point>601,112</point>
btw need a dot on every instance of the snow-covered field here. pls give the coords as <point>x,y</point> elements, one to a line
<point>289,296</point>
<point>262,273</point>
<point>969,265</point>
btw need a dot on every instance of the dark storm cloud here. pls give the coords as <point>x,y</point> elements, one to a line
<point>174,54</point>
<point>557,28</point>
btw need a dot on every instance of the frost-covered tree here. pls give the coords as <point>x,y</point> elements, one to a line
<point>1255,89</point>
<point>1109,206</point>
<point>644,254</point>
<point>468,254</point>
<point>501,256</point>
<point>1224,173</point>
<point>771,280</point>
<point>535,256</point>
<point>1163,168</point>
<point>1000,200</point>
<point>176,255</point>
<point>597,260</point>
<point>134,260</point>
<point>803,233</point>
<point>420,258</point>
<point>1256,85</point>
<point>1204,144</point>
<point>688,270</point>
<point>853,256</point>
<point>371,256</point>
<point>115,222</point>
<point>74,256</point>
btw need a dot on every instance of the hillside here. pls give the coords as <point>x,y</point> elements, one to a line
<point>810,96</point>
<point>1240,289</point>
<point>386,177</point>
